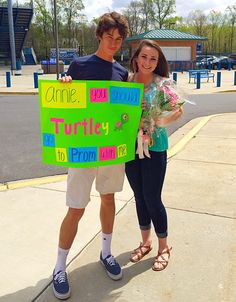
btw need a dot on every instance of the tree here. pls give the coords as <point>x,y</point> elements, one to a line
<point>219,27</point>
<point>133,14</point>
<point>51,12</point>
<point>44,22</point>
<point>231,10</point>
<point>145,15</point>
<point>215,19</point>
<point>71,12</point>
<point>146,9</point>
<point>198,20</point>
<point>160,11</point>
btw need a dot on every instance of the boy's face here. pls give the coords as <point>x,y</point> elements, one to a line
<point>110,42</point>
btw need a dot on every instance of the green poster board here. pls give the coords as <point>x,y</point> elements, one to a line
<point>89,123</point>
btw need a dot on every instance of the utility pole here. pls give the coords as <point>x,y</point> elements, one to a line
<point>56,38</point>
<point>11,35</point>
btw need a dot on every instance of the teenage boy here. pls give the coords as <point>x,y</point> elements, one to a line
<point>111,31</point>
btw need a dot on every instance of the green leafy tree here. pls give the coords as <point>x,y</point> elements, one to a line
<point>231,14</point>
<point>134,16</point>
<point>71,12</point>
<point>198,21</point>
<point>142,15</point>
<point>145,15</point>
<point>146,10</point>
<point>214,19</point>
<point>43,19</point>
<point>161,10</point>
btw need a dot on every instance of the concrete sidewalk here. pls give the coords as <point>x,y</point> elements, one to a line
<point>200,195</point>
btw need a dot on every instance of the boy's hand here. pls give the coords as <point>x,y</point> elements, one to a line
<point>65,79</point>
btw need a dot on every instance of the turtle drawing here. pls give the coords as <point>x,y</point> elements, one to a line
<point>123,119</point>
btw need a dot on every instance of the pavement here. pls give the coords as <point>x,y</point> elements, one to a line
<point>200,197</point>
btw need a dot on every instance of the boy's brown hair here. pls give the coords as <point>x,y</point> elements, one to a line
<point>112,20</point>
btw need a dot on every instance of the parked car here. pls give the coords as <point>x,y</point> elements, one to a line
<point>224,62</point>
<point>201,57</point>
<point>232,56</point>
<point>206,62</point>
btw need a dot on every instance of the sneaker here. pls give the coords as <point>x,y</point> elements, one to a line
<point>113,268</point>
<point>61,286</point>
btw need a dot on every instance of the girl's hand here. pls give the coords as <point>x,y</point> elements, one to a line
<point>177,113</point>
<point>144,104</point>
<point>66,79</point>
<point>163,121</point>
<point>141,124</point>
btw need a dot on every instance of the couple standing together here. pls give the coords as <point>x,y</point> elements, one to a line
<point>146,176</point>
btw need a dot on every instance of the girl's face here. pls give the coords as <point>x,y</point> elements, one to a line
<point>147,59</point>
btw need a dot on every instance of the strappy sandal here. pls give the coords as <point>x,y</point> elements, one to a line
<point>138,253</point>
<point>163,262</point>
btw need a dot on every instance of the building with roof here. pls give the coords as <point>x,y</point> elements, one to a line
<point>180,48</point>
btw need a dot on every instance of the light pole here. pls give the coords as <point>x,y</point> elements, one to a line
<point>11,36</point>
<point>56,38</point>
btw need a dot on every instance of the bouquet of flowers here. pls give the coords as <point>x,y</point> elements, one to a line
<point>165,100</point>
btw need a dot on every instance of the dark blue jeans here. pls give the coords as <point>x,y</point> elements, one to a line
<point>146,177</point>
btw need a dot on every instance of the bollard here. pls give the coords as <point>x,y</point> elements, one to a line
<point>35,80</point>
<point>198,80</point>
<point>17,72</point>
<point>8,78</point>
<point>235,78</point>
<point>218,79</point>
<point>175,76</point>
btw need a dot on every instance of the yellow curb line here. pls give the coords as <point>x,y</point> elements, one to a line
<point>226,91</point>
<point>3,187</point>
<point>18,93</point>
<point>35,181</point>
<point>187,137</point>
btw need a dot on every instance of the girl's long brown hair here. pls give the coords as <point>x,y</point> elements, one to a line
<point>162,68</point>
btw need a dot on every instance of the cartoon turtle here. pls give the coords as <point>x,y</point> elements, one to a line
<point>124,119</point>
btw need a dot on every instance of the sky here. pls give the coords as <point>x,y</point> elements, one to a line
<point>95,8</point>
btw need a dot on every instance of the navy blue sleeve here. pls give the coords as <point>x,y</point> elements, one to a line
<point>126,76</point>
<point>73,70</point>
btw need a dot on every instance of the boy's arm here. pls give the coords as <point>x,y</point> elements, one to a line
<point>71,73</point>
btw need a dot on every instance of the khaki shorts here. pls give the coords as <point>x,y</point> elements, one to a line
<point>109,179</point>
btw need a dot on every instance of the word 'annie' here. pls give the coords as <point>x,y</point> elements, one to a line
<point>67,95</point>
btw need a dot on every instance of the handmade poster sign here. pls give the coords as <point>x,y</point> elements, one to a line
<point>89,123</point>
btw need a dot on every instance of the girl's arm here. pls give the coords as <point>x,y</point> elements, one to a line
<point>130,77</point>
<point>164,121</point>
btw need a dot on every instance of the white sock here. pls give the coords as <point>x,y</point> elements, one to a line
<point>61,260</point>
<point>106,245</point>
